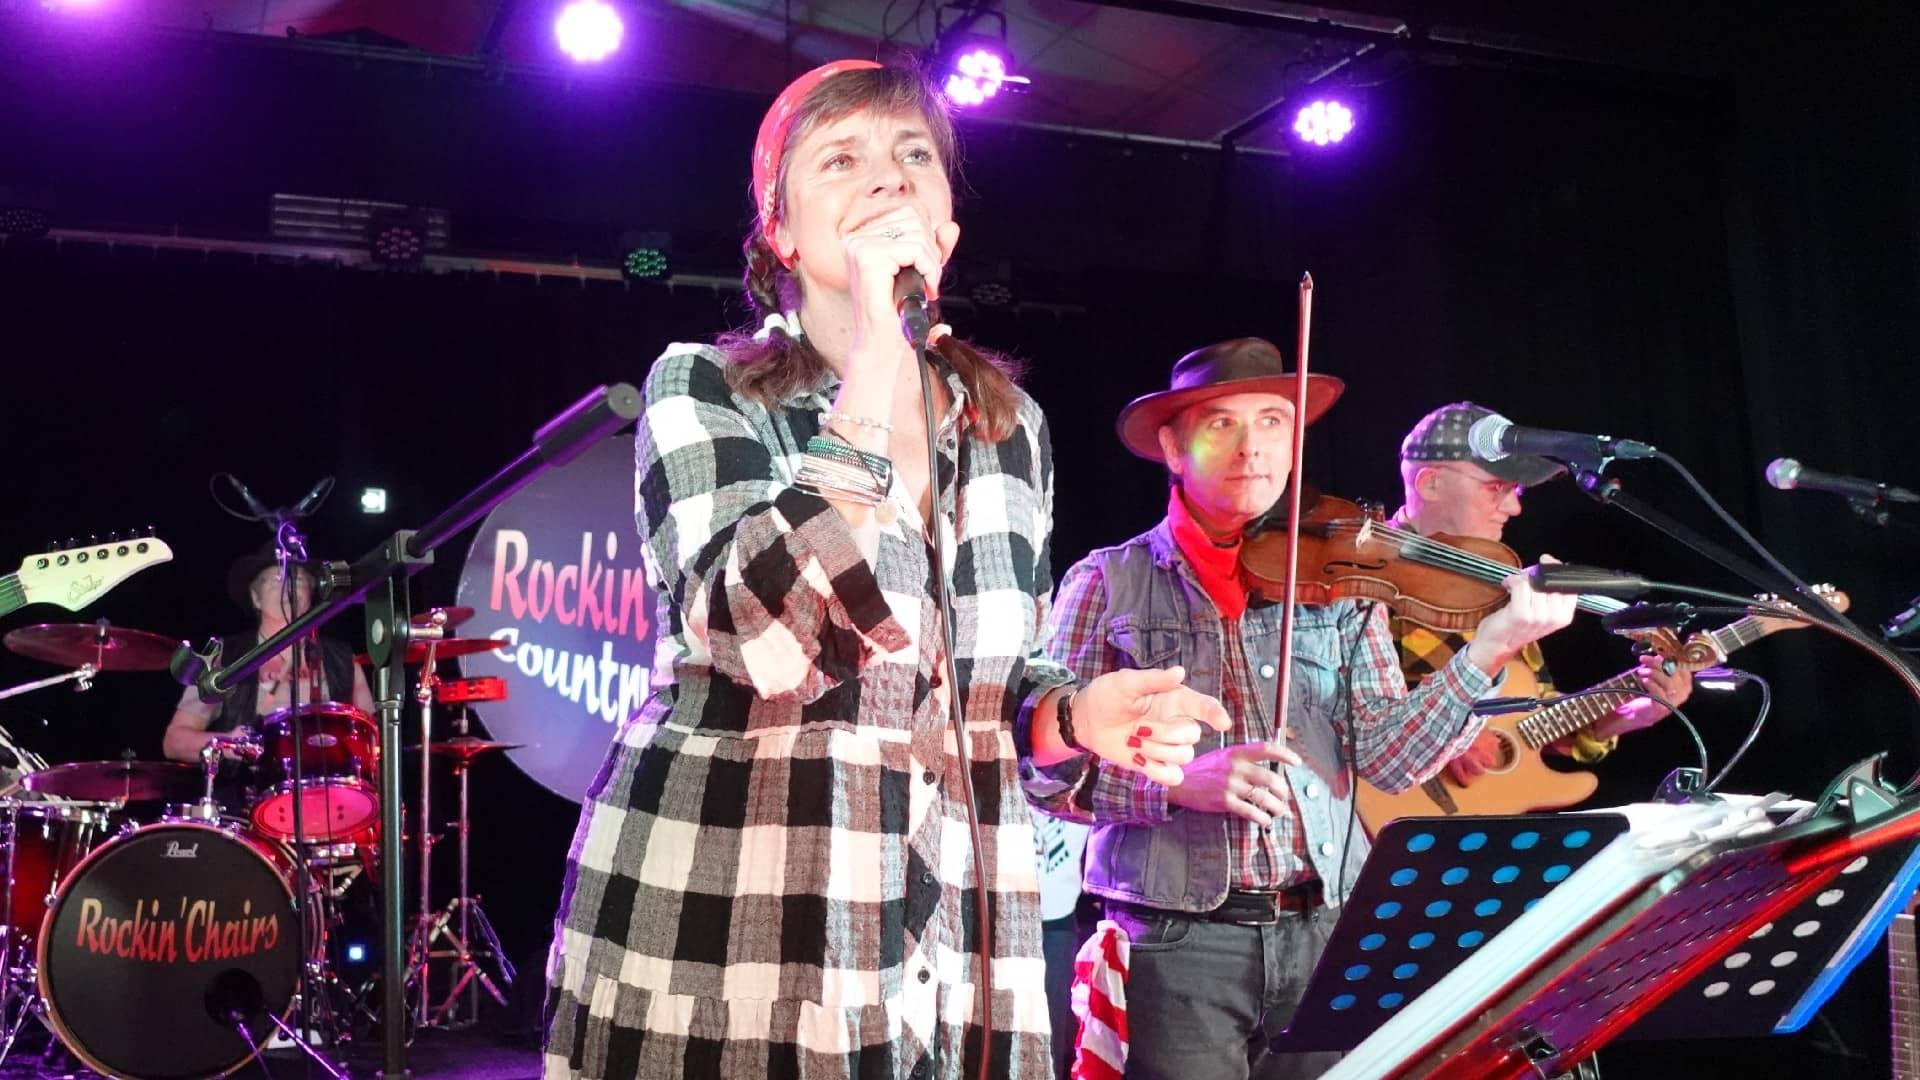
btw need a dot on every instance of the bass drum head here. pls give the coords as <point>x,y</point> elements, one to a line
<point>157,931</point>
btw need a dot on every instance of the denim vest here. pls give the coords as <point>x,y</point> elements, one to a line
<point>1159,616</point>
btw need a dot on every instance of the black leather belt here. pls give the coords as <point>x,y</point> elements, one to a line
<point>1241,908</point>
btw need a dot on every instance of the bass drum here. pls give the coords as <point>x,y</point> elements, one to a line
<point>160,939</point>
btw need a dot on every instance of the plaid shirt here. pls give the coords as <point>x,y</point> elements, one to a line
<point>773,873</point>
<point>1400,738</point>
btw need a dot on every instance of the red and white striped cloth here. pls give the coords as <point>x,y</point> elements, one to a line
<point>1100,1001</point>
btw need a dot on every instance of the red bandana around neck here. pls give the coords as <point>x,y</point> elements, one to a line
<point>1217,567</point>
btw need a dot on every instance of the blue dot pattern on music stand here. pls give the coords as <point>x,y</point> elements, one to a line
<point>1432,891</point>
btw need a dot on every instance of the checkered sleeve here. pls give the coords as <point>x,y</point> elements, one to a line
<point>1098,794</point>
<point>770,578</point>
<point>1404,737</point>
<point>1042,674</point>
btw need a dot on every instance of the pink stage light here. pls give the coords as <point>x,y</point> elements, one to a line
<point>1323,122</point>
<point>588,30</point>
<point>977,75</point>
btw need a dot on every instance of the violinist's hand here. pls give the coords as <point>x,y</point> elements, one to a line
<point>1145,720</point>
<point>1236,780</point>
<point>1527,617</point>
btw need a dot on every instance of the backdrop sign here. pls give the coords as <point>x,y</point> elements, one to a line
<point>556,574</point>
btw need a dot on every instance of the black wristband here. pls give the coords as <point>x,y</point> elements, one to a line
<point>1063,712</point>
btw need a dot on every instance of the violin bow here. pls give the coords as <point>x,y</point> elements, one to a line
<point>1292,562</point>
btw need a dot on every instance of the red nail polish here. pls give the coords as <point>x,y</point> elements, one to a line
<point>1144,732</point>
<point>1139,759</point>
<point>1134,742</point>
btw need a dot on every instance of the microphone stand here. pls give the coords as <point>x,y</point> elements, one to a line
<point>1819,613</point>
<point>916,324</point>
<point>378,582</point>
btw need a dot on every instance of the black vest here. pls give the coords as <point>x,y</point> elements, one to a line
<point>243,704</point>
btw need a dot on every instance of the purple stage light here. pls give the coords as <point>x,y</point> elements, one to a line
<point>977,75</point>
<point>588,30</point>
<point>1323,122</point>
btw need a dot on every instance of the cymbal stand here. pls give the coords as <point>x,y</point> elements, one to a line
<point>467,974</point>
<point>420,947</point>
<point>84,674</point>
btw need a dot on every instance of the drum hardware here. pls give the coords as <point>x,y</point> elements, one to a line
<point>105,647</point>
<point>467,974</point>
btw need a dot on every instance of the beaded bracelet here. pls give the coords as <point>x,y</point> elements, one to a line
<point>830,416</point>
<point>834,450</point>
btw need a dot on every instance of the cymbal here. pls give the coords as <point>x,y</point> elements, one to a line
<point>456,614</point>
<point>444,649</point>
<point>112,648</point>
<point>465,748</point>
<point>117,781</point>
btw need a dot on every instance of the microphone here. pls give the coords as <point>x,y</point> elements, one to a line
<point>258,508</point>
<point>910,299</point>
<point>1586,580</point>
<point>1788,474</point>
<point>1494,706</point>
<point>1493,437</point>
<point>1653,616</point>
<point>313,498</point>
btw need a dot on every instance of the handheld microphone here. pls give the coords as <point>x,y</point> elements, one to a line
<point>1493,437</point>
<point>910,299</point>
<point>1788,474</point>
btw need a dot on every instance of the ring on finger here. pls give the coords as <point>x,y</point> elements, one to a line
<point>891,232</point>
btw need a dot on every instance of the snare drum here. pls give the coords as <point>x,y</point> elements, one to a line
<point>339,760</point>
<point>43,842</point>
<point>158,935</point>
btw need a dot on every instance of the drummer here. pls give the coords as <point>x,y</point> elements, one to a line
<point>327,671</point>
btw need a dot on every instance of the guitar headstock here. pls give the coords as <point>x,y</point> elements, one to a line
<point>1773,623</point>
<point>78,574</point>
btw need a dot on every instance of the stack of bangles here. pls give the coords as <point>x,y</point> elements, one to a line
<point>833,469</point>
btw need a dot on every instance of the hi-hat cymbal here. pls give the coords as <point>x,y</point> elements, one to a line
<point>465,748</point>
<point>444,649</point>
<point>455,615</point>
<point>109,648</point>
<point>117,781</point>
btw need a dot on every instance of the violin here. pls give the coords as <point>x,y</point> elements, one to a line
<point>1349,550</point>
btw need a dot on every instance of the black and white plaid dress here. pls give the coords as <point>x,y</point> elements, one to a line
<point>772,875</point>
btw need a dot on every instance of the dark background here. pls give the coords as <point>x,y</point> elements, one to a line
<point>1724,268</point>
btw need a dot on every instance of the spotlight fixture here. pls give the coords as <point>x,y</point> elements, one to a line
<point>373,500</point>
<point>973,67</point>
<point>589,31</point>
<point>1323,122</point>
<point>645,264</point>
<point>397,238</point>
<point>23,221</point>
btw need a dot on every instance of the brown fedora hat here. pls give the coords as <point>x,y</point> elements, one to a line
<point>1241,366</point>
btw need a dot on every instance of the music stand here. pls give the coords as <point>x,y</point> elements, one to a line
<point>1430,892</point>
<point>1778,978</point>
<point>1644,917</point>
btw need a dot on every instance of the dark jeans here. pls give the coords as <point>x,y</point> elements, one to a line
<point>1203,998</point>
<point>1059,942</point>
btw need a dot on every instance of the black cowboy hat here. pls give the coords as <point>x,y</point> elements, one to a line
<point>244,569</point>
<point>1241,366</point>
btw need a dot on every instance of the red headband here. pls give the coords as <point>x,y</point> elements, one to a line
<point>773,133</point>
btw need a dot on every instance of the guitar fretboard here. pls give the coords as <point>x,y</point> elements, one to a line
<point>1904,994</point>
<point>1560,719</point>
<point>12,594</point>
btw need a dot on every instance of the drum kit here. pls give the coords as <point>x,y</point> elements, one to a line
<point>136,902</point>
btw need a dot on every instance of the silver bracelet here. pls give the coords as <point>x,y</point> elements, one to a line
<point>858,421</point>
